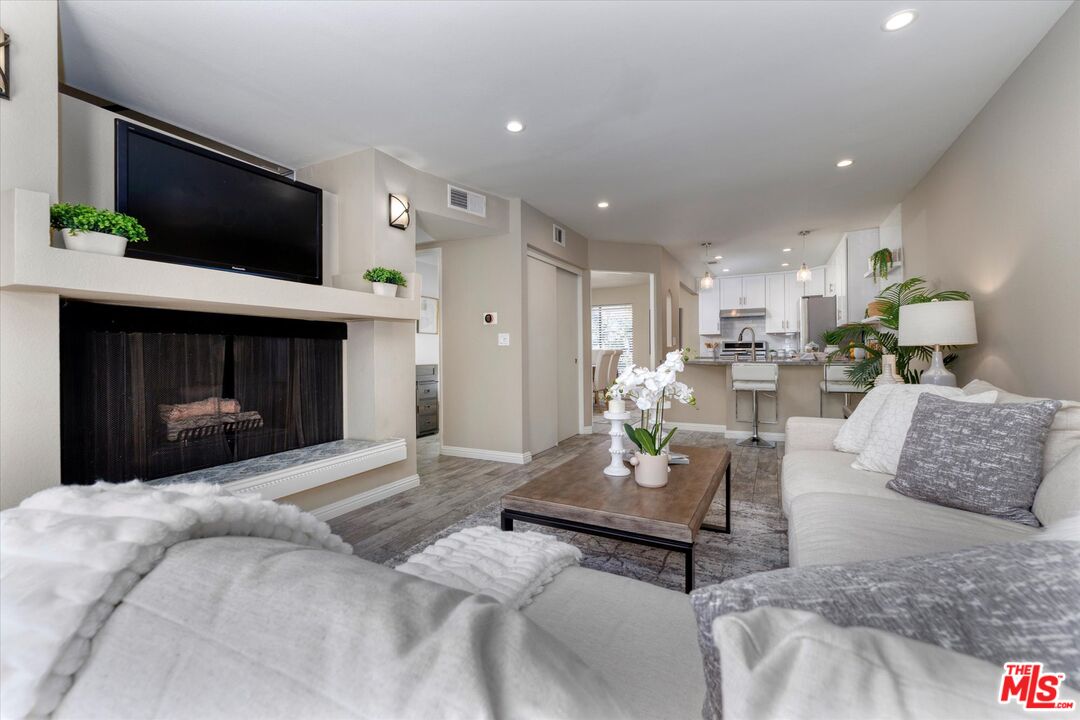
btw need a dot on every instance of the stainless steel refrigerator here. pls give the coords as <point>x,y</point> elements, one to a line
<point>817,315</point>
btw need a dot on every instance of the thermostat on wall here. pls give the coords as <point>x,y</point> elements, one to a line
<point>491,318</point>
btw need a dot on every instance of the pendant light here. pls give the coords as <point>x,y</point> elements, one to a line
<point>804,274</point>
<point>707,280</point>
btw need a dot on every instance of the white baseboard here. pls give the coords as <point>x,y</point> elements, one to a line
<point>696,427</point>
<point>481,454</point>
<point>367,497</point>
<point>743,434</point>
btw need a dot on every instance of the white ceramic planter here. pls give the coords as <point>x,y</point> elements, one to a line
<point>650,471</point>
<point>616,407</point>
<point>95,242</point>
<point>385,289</point>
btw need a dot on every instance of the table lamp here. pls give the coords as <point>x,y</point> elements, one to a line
<point>937,323</point>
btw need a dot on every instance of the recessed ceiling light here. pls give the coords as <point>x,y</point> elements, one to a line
<point>719,257</point>
<point>787,249</point>
<point>846,162</point>
<point>727,270</point>
<point>899,20</point>
<point>602,204</point>
<point>515,126</point>
<point>784,264</point>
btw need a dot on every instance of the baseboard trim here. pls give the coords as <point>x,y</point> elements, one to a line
<point>743,434</point>
<point>481,454</point>
<point>585,430</point>
<point>695,427</point>
<point>359,500</point>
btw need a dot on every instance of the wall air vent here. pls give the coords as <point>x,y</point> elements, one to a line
<point>470,202</point>
<point>558,235</point>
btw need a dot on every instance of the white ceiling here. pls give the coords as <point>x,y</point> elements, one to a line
<point>607,279</point>
<point>698,121</point>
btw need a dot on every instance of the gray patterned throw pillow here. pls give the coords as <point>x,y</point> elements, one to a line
<point>983,458</point>
<point>994,602</point>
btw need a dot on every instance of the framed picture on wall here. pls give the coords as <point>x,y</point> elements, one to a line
<point>428,323</point>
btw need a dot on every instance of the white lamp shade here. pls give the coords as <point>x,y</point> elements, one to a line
<point>950,322</point>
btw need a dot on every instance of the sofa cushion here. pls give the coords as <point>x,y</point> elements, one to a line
<point>776,663</point>
<point>852,435</point>
<point>1064,433</point>
<point>1058,497</point>
<point>888,432</point>
<point>813,471</point>
<point>999,603</point>
<point>641,638</point>
<point>831,528</point>
<point>986,459</point>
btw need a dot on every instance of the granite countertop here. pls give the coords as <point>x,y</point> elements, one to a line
<point>782,363</point>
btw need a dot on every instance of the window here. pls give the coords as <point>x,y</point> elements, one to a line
<point>613,329</point>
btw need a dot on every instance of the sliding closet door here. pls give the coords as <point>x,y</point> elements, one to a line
<point>542,373</point>
<point>568,336</point>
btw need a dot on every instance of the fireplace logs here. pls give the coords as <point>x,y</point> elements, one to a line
<point>203,418</point>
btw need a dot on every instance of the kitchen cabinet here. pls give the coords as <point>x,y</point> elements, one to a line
<point>816,284</point>
<point>746,291</point>
<point>709,310</point>
<point>782,295</point>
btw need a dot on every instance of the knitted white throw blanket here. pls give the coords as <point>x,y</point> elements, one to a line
<point>69,554</point>
<point>511,567</point>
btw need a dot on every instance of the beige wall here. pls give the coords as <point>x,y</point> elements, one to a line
<point>536,230</point>
<point>638,297</point>
<point>999,216</point>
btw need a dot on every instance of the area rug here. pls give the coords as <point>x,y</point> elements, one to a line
<point>758,542</point>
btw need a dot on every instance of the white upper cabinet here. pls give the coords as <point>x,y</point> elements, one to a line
<point>746,291</point>
<point>816,284</point>
<point>709,310</point>
<point>753,291</point>
<point>782,303</point>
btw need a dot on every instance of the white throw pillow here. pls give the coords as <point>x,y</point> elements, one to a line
<point>856,429</point>
<point>889,429</point>
<point>780,663</point>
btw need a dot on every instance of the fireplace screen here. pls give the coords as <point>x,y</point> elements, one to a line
<point>151,393</point>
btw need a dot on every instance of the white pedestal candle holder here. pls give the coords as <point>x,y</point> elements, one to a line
<point>616,468</point>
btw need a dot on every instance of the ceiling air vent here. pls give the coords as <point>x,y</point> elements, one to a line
<point>470,202</point>
<point>558,235</point>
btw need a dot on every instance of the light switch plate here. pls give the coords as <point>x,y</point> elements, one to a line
<point>504,339</point>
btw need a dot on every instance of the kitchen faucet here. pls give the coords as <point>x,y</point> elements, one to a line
<point>753,342</point>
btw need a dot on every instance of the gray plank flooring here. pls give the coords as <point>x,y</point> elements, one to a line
<point>452,488</point>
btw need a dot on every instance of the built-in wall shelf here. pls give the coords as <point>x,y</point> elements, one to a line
<point>28,262</point>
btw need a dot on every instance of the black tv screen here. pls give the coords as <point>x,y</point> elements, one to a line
<point>203,208</point>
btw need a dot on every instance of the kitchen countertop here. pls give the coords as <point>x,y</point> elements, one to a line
<point>710,361</point>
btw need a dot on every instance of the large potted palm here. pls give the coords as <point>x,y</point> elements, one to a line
<point>880,338</point>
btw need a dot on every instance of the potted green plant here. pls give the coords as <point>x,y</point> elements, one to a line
<point>880,338</point>
<point>89,229</point>
<point>880,263</point>
<point>385,281</point>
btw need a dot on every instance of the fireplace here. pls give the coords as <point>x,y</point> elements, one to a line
<point>147,393</point>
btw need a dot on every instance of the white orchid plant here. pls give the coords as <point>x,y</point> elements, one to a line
<point>650,390</point>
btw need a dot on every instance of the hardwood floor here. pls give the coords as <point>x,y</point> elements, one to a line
<point>453,488</point>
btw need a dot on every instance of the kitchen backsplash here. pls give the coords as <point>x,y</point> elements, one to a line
<point>730,327</point>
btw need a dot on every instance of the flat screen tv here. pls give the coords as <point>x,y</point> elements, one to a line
<point>203,208</point>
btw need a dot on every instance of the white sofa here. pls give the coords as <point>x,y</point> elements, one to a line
<point>837,514</point>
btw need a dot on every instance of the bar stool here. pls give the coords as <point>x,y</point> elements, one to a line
<point>836,381</point>
<point>756,377</point>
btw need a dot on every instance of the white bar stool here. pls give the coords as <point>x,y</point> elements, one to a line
<point>756,377</point>
<point>836,381</point>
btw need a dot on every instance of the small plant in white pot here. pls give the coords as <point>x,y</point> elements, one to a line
<point>651,391</point>
<point>89,229</point>
<point>385,281</point>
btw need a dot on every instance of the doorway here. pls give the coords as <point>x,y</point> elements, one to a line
<point>553,353</point>
<point>622,319</point>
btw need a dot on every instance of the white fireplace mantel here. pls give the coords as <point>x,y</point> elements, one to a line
<point>28,262</point>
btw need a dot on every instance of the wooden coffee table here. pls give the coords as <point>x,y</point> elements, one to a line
<point>578,496</point>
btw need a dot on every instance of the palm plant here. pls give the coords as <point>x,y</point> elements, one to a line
<point>881,338</point>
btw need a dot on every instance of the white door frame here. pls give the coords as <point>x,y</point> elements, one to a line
<point>437,252</point>
<point>583,428</point>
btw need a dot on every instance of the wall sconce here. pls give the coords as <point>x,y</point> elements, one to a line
<point>399,211</point>
<point>5,82</point>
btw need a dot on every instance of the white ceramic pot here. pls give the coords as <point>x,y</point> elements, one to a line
<point>385,289</point>
<point>95,242</point>
<point>616,407</point>
<point>650,471</point>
